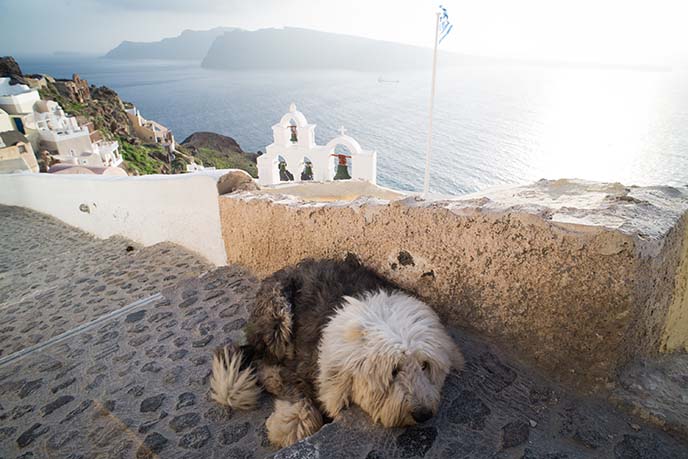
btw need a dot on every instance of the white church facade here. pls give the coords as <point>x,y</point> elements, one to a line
<point>295,156</point>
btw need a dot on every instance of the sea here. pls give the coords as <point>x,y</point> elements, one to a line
<point>494,123</point>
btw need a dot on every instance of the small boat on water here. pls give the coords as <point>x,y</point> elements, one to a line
<point>382,80</point>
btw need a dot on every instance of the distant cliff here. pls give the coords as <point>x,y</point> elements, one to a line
<point>292,48</point>
<point>189,45</point>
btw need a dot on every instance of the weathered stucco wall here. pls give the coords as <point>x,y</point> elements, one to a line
<point>181,209</point>
<point>578,276</point>
<point>675,330</point>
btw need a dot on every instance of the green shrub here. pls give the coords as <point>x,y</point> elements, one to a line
<point>139,158</point>
<point>219,160</point>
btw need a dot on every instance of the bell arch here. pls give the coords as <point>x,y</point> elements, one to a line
<point>307,169</point>
<point>283,172</point>
<point>345,141</point>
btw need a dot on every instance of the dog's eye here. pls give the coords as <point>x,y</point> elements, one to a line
<point>395,371</point>
<point>424,366</point>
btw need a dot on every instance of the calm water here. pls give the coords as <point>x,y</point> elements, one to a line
<point>493,124</point>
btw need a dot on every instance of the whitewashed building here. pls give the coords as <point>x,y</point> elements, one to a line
<point>16,153</point>
<point>108,153</point>
<point>151,131</point>
<point>295,156</point>
<point>5,122</point>
<point>16,99</point>
<point>48,127</point>
<point>70,143</point>
<point>195,167</point>
<point>60,133</point>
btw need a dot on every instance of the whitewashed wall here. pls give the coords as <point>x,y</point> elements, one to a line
<point>181,208</point>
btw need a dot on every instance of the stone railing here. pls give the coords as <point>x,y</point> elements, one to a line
<point>579,276</point>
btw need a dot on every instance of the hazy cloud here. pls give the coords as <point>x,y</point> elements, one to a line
<point>584,30</point>
<point>172,5</point>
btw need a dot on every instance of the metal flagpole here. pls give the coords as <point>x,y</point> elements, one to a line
<point>426,182</point>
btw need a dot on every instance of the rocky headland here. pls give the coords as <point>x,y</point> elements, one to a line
<point>265,49</point>
<point>235,48</point>
<point>189,45</point>
<point>9,68</point>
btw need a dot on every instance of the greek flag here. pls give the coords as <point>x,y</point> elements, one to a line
<point>445,25</point>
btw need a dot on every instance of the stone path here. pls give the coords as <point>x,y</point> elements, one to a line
<point>138,384</point>
<point>63,277</point>
<point>135,385</point>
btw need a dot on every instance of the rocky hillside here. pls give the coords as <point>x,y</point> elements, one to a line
<point>220,151</point>
<point>10,69</point>
<point>105,110</point>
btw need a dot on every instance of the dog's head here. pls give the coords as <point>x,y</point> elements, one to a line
<point>387,353</point>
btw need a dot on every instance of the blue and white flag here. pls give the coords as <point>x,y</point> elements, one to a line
<point>445,25</point>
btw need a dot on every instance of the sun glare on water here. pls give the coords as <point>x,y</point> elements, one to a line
<point>600,126</point>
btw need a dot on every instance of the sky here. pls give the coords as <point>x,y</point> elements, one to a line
<point>598,31</point>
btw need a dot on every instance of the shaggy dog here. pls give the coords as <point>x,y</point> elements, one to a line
<point>324,334</point>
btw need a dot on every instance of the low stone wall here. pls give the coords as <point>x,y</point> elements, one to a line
<point>180,208</point>
<point>578,276</point>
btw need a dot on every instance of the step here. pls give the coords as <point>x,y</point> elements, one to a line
<point>43,294</point>
<point>91,290</point>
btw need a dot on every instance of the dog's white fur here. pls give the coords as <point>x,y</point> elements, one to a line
<point>367,339</point>
<point>386,352</point>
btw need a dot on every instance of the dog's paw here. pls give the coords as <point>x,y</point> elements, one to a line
<point>292,421</point>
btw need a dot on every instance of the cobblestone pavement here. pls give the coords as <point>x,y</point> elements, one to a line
<point>135,385</point>
<point>497,408</point>
<point>68,278</point>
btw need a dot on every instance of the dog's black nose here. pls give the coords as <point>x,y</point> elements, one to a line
<point>421,414</point>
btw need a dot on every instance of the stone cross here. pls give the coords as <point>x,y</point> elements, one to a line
<point>342,130</point>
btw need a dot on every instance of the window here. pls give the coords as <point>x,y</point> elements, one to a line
<point>20,125</point>
<point>22,148</point>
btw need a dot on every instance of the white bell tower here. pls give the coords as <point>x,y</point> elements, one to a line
<point>293,151</point>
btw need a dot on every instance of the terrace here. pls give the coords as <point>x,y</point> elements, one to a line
<point>106,347</point>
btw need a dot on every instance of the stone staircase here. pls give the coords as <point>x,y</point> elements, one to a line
<point>105,353</point>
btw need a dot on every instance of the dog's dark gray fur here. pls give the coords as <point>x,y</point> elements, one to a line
<point>304,296</point>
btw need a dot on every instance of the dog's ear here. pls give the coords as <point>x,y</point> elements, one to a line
<point>272,318</point>
<point>289,288</point>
